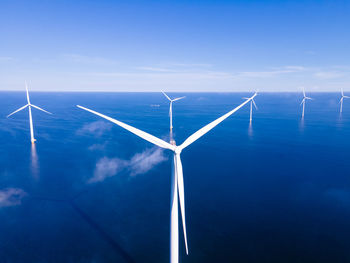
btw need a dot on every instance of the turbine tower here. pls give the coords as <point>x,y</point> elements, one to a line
<point>342,99</point>
<point>303,102</point>
<point>29,105</point>
<point>171,109</point>
<point>177,187</point>
<point>251,107</point>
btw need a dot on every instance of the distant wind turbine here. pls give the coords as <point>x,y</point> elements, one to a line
<point>177,189</point>
<point>171,109</point>
<point>29,105</point>
<point>342,99</point>
<point>251,107</point>
<point>303,102</point>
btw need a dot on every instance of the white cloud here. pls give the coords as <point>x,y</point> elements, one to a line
<point>98,128</point>
<point>11,197</point>
<point>106,167</point>
<point>143,162</point>
<point>140,163</point>
<point>97,147</point>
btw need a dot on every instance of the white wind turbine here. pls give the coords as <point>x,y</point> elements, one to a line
<point>29,105</point>
<point>251,107</point>
<point>177,188</point>
<point>171,109</point>
<point>303,102</point>
<point>342,99</point>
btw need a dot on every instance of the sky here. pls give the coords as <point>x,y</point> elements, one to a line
<point>179,46</point>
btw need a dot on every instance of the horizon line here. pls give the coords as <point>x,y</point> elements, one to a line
<point>125,91</point>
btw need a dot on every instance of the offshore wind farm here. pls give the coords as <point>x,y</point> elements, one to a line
<point>174,131</point>
<point>109,193</point>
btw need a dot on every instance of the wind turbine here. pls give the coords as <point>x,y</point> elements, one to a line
<point>342,99</point>
<point>303,102</point>
<point>177,188</point>
<point>171,109</point>
<point>251,107</point>
<point>29,105</point>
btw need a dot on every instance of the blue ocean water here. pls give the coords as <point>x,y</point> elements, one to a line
<point>274,191</point>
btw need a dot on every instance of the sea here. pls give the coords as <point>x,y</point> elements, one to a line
<point>275,190</point>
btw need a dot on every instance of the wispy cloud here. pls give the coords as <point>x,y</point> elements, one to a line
<point>185,76</point>
<point>192,65</point>
<point>140,163</point>
<point>296,68</point>
<point>97,128</point>
<point>328,75</point>
<point>11,197</point>
<point>155,69</point>
<point>97,147</point>
<point>106,167</point>
<point>176,68</point>
<point>271,73</point>
<point>201,72</point>
<point>143,162</point>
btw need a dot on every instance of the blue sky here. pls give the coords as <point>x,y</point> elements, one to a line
<point>175,45</point>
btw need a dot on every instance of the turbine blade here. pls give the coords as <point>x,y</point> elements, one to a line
<point>40,109</point>
<point>256,107</point>
<point>27,92</point>
<point>180,183</point>
<point>25,106</point>
<point>179,98</point>
<point>304,92</point>
<point>346,97</point>
<point>166,95</point>
<point>211,125</point>
<point>144,135</point>
<point>303,101</point>
<point>342,92</point>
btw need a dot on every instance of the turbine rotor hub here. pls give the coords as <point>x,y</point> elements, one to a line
<point>178,150</point>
